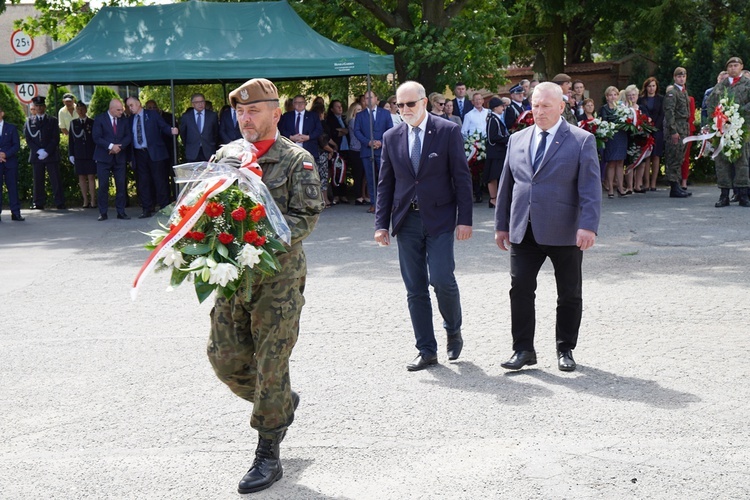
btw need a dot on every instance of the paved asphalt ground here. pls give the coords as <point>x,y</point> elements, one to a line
<point>102,397</point>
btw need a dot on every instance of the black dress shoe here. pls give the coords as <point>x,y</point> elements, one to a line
<point>37,207</point>
<point>420,363</point>
<point>565,361</point>
<point>266,468</point>
<point>17,217</point>
<point>102,217</point>
<point>145,215</point>
<point>123,216</point>
<point>455,344</point>
<point>519,360</point>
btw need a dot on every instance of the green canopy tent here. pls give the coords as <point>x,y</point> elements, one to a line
<point>195,42</point>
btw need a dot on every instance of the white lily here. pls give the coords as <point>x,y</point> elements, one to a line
<point>249,255</point>
<point>221,274</point>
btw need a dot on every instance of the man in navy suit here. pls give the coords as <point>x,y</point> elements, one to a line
<point>150,156</point>
<point>43,137</point>
<point>461,105</point>
<point>302,127</point>
<point>229,129</point>
<point>371,142</point>
<point>199,130</point>
<point>548,205</point>
<point>112,137</point>
<point>424,194</point>
<point>10,143</point>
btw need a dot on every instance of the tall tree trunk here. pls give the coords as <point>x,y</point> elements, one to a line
<point>555,48</point>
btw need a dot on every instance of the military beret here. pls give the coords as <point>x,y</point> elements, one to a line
<point>495,102</point>
<point>734,60</point>
<point>252,91</point>
<point>679,71</point>
<point>39,100</point>
<point>561,78</point>
<point>68,97</point>
<point>517,89</point>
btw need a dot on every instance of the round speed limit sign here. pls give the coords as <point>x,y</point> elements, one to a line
<point>21,43</point>
<point>26,92</point>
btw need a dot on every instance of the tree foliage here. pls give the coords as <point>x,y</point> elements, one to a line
<point>11,106</point>
<point>62,20</point>
<point>100,100</point>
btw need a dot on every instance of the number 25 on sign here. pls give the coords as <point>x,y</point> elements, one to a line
<point>21,43</point>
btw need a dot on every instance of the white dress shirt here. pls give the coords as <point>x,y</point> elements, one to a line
<point>473,121</point>
<point>538,137</point>
<point>422,129</point>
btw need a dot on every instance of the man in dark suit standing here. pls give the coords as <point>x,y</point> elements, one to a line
<point>150,156</point>
<point>229,129</point>
<point>424,194</point>
<point>199,130</point>
<point>369,127</point>
<point>461,105</point>
<point>550,183</point>
<point>43,137</point>
<point>112,137</point>
<point>10,143</point>
<point>301,126</point>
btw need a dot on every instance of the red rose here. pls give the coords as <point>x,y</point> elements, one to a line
<point>250,237</point>
<point>183,210</point>
<point>239,214</point>
<point>260,241</point>
<point>226,238</point>
<point>214,209</point>
<point>257,213</point>
<point>197,235</point>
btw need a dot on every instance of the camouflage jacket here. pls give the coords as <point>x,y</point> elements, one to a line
<point>290,174</point>
<point>740,91</point>
<point>568,115</point>
<point>676,112</point>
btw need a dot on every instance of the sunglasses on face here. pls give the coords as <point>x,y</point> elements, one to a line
<point>410,104</point>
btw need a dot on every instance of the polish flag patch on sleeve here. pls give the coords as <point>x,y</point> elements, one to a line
<point>307,165</point>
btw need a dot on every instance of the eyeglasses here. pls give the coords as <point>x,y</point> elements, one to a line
<point>411,104</point>
<point>440,103</point>
<point>198,102</point>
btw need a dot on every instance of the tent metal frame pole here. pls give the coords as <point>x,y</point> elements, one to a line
<point>374,196</point>
<point>174,137</point>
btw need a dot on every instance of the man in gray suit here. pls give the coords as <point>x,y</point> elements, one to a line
<point>550,183</point>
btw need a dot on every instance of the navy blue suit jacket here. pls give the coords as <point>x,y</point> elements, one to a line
<point>468,106</point>
<point>43,134</point>
<point>228,131</point>
<point>154,128</point>
<point>382,123</point>
<point>104,135</point>
<point>442,187</point>
<point>195,140</point>
<point>10,143</point>
<point>311,126</point>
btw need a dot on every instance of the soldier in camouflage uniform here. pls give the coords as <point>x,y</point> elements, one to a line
<point>251,340</point>
<point>676,128</point>
<point>735,174</point>
<point>564,81</point>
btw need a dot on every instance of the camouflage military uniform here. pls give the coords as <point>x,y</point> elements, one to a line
<point>676,113</point>
<point>735,174</point>
<point>251,341</point>
<point>568,115</point>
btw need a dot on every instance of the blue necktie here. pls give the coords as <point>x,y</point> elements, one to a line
<point>540,150</point>
<point>416,151</point>
<point>199,122</point>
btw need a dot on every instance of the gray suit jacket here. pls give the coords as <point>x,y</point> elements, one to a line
<point>564,194</point>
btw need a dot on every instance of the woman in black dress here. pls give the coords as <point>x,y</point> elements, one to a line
<point>496,146</point>
<point>652,104</point>
<point>81,154</point>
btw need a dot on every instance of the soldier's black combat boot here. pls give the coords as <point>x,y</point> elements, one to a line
<point>677,192</point>
<point>744,199</point>
<point>266,468</point>
<point>723,198</point>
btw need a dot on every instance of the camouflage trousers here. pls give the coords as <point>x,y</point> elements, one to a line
<point>250,345</point>
<point>673,158</point>
<point>735,174</point>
